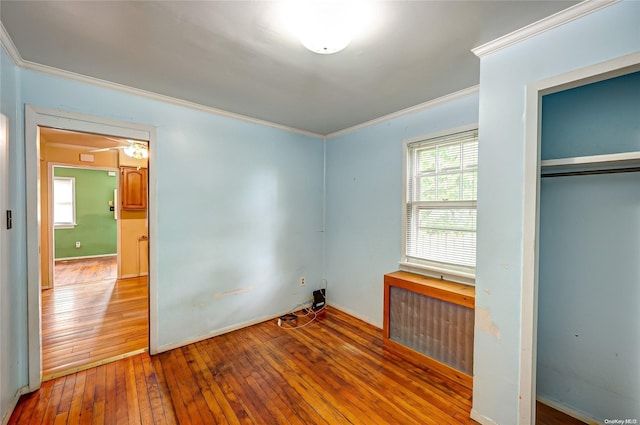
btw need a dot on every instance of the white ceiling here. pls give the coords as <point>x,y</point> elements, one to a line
<point>238,57</point>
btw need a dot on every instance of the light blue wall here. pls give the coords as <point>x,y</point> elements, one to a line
<point>364,203</point>
<point>13,335</point>
<point>600,36</point>
<point>599,118</point>
<point>255,200</point>
<point>588,315</point>
<point>239,208</point>
<point>589,289</point>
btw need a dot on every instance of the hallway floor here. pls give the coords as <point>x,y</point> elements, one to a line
<point>90,317</point>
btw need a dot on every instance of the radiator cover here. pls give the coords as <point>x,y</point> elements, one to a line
<point>438,329</point>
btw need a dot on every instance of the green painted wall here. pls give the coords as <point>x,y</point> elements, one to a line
<point>96,226</point>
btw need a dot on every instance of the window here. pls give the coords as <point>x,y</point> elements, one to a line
<point>64,202</point>
<point>441,186</point>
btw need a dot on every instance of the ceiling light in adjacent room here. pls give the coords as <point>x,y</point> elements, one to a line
<point>137,150</point>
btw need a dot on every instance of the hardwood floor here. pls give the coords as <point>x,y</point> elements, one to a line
<point>547,415</point>
<point>86,323</point>
<point>69,272</point>
<point>333,371</point>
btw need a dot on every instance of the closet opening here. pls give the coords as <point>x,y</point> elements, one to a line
<point>588,270</point>
<point>582,228</point>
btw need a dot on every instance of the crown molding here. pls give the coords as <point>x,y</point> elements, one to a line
<point>581,9</point>
<point>574,12</point>
<point>32,66</point>
<point>412,109</point>
<point>13,52</point>
<point>9,47</point>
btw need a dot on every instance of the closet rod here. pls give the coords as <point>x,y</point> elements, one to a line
<point>589,172</point>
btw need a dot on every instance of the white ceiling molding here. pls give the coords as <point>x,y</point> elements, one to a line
<point>417,108</point>
<point>10,48</point>
<point>32,66</point>
<point>159,97</point>
<point>574,12</point>
<point>269,77</point>
<point>17,59</point>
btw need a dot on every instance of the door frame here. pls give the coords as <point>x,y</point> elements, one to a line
<point>4,206</point>
<point>530,230</point>
<point>36,116</point>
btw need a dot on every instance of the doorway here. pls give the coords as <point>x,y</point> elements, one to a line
<point>531,230</point>
<point>37,118</point>
<point>90,314</point>
<point>589,250</point>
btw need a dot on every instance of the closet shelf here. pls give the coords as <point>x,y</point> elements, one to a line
<point>593,162</point>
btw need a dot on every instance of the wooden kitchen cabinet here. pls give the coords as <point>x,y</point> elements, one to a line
<point>133,188</point>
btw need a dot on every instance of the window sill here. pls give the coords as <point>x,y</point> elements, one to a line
<point>64,226</point>
<point>457,276</point>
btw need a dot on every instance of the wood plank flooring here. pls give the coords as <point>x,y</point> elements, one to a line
<point>69,272</point>
<point>333,371</point>
<point>547,415</point>
<point>87,323</point>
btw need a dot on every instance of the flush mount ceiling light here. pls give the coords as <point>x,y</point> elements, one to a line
<point>136,150</point>
<point>325,27</point>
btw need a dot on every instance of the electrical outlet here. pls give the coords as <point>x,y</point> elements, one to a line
<point>302,281</point>
<point>78,244</point>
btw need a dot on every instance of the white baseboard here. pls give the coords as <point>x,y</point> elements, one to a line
<point>481,418</point>
<point>355,314</point>
<point>218,332</point>
<point>581,416</point>
<point>85,257</point>
<point>14,402</point>
<point>232,328</point>
<point>129,276</point>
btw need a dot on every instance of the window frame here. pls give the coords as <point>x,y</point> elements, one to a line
<point>456,273</point>
<point>64,225</point>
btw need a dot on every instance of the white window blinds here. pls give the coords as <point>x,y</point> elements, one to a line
<point>442,176</point>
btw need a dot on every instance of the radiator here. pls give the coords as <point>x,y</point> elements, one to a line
<point>438,329</point>
<point>430,321</point>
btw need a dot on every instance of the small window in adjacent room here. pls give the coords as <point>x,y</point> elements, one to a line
<point>64,202</point>
<point>440,208</point>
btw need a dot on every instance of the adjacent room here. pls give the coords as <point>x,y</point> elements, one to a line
<point>94,262</point>
<point>320,212</point>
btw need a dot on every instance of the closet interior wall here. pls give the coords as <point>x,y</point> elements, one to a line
<point>588,337</point>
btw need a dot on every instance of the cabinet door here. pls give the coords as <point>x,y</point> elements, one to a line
<point>134,188</point>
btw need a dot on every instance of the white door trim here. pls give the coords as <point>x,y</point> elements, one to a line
<point>529,307</point>
<point>36,116</point>
<point>4,202</point>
